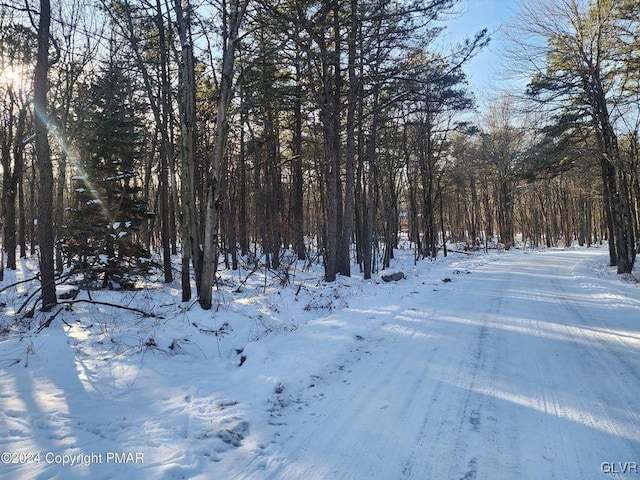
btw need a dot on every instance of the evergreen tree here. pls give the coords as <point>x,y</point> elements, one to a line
<point>109,208</point>
<point>589,49</point>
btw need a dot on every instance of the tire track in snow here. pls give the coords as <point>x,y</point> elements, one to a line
<point>568,383</point>
<point>400,398</point>
<point>469,431</point>
<point>503,388</point>
<point>605,362</point>
<point>349,401</point>
<point>549,404</point>
<point>409,388</point>
<point>463,424</point>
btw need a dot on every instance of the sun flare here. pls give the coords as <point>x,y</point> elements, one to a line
<point>11,76</point>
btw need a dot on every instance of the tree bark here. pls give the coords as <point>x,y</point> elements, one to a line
<point>344,260</point>
<point>614,184</point>
<point>164,146</point>
<point>190,228</point>
<point>214,193</point>
<point>11,160</point>
<point>297,208</point>
<point>368,193</point>
<point>43,155</point>
<point>330,117</point>
<point>12,191</point>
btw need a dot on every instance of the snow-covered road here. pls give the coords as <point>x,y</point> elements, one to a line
<point>525,368</point>
<point>521,366</point>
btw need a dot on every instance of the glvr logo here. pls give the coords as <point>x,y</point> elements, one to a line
<point>619,467</point>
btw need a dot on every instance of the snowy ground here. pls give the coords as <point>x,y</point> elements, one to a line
<point>521,365</point>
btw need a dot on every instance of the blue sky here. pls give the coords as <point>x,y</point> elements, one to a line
<point>484,70</point>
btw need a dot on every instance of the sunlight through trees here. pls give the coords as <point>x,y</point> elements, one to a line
<point>261,132</point>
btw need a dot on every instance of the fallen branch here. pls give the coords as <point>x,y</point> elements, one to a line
<point>461,251</point>
<point>107,304</point>
<point>47,322</point>
<point>29,298</point>
<point>18,283</point>
<point>63,276</point>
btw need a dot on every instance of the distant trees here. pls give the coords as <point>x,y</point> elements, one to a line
<point>502,147</point>
<point>16,44</point>
<point>434,97</point>
<point>263,133</point>
<point>588,56</point>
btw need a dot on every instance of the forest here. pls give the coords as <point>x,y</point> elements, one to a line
<point>227,133</point>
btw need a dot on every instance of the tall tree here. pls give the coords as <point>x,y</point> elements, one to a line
<point>43,154</point>
<point>134,22</point>
<point>233,15</point>
<point>13,125</point>
<point>102,235</point>
<point>190,227</point>
<point>580,71</point>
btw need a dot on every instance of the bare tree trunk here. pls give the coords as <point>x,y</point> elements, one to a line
<point>330,117</point>
<point>22,221</point>
<point>13,133</point>
<point>190,227</point>
<point>442,224</point>
<point>634,157</point>
<point>368,197</point>
<point>33,209</point>
<point>5,161</point>
<point>147,230</point>
<point>243,208</point>
<point>214,194</point>
<point>43,154</point>
<point>615,188</point>
<point>505,214</point>
<point>332,146</point>
<point>12,192</point>
<point>59,210</point>
<point>344,261</point>
<point>164,146</point>
<point>298,187</point>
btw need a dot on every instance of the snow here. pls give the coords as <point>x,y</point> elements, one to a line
<point>508,365</point>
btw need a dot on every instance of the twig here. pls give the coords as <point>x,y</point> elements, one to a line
<point>107,304</point>
<point>60,277</point>
<point>18,283</point>
<point>47,322</point>
<point>29,299</point>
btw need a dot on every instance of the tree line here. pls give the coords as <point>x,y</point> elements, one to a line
<point>232,131</point>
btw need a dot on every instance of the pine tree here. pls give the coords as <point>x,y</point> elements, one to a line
<point>109,209</point>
